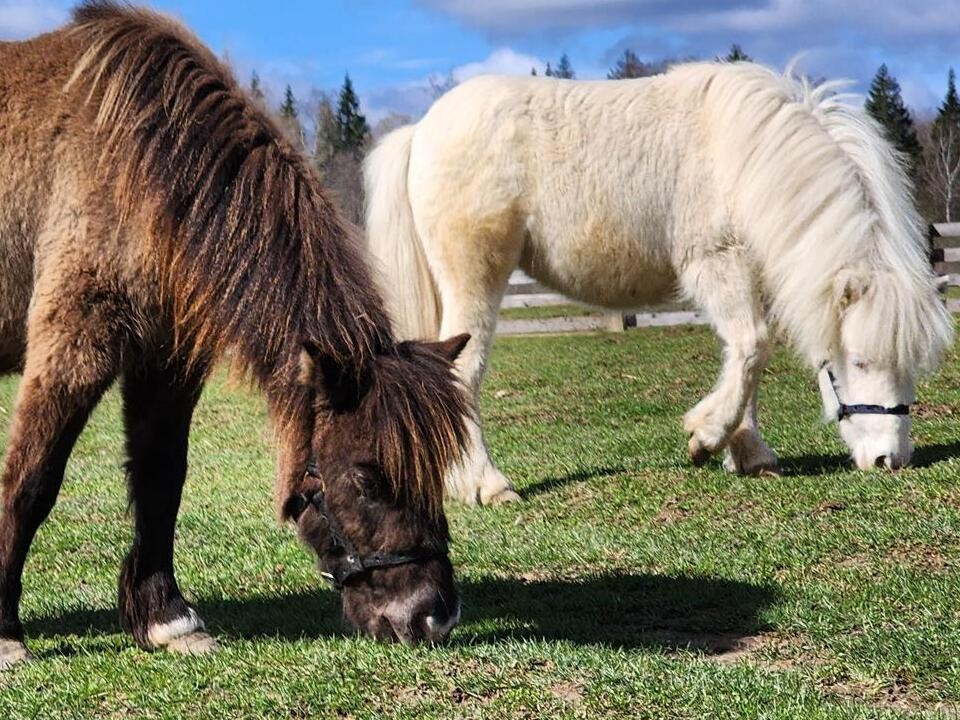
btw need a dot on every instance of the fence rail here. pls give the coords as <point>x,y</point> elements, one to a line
<point>524,292</point>
<point>945,256</point>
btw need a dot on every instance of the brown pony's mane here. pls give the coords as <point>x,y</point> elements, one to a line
<point>252,256</point>
<point>240,224</point>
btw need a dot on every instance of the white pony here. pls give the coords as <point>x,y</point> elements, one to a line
<point>755,195</point>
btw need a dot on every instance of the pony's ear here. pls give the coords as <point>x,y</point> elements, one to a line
<point>451,347</point>
<point>849,286</point>
<point>336,382</point>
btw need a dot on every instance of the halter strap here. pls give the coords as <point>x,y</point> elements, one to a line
<point>844,411</point>
<point>353,563</point>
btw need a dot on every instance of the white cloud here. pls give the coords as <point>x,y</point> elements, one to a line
<point>502,61</point>
<point>21,19</point>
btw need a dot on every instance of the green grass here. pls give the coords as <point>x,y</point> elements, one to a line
<point>615,590</point>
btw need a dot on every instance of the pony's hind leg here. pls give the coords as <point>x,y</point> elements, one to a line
<point>73,356</point>
<point>722,283</point>
<point>471,287</point>
<point>158,406</point>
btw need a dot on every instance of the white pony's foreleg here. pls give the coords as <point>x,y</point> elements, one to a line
<point>747,453</point>
<point>722,283</point>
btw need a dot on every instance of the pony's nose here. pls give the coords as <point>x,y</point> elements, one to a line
<point>429,621</point>
<point>881,461</point>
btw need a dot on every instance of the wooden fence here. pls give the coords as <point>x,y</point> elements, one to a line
<point>945,255</point>
<point>524,292</point>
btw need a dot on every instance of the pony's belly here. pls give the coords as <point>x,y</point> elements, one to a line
<point>619,276</point>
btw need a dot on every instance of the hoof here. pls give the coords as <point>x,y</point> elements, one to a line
<point>769,468</point>
<point>507,495</point>
<point>748,454</point>
<point>196,643</point>
<point>699,454</point>
<point>13,652</point>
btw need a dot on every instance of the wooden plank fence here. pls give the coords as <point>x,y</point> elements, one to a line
<point>524,292</point>
<point>945,255</point>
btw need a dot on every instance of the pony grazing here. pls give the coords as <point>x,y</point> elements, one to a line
<point>152,222</point>
<point>755,195</point>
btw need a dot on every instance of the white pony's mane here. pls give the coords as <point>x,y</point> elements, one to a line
<point>841,233</point>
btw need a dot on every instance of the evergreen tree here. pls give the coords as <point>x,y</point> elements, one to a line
<point>628,66</point>
<point>351,123</point>
<point>288,110</point>
<point>886,105</point>
<point>950,110</point>
<point>737,54</point>
<point>256,91</point>
<point>549,71</point>
<point>533,71</point>
<point>564,69</point>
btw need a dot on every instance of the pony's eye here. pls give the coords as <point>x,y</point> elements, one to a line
<point>370,482</point>
<point>861,365</point>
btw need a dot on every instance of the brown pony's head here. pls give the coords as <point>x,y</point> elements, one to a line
<point>371,504</point>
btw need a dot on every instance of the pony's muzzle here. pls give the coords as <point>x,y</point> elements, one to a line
<point>425,618</point>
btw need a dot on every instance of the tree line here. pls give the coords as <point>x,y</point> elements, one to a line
<point>339,134</point>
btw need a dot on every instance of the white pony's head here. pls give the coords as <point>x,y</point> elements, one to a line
<point>888,334</point>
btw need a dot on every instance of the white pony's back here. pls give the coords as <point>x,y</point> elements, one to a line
<point>657,169</point>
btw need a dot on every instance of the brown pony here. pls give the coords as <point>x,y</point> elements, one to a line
<point>152,222</point>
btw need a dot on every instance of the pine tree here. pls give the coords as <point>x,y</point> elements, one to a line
<point>351,123</point>
<point>533,71</point>
<point>628,66</point>
<point>256,91</point>
<point>549,71</point>
<point>564,69</point>
<point>288,110</point>
<point>886,105</point>
<point>289,120</point>
<point>737,54</point>
<point>950,110</point>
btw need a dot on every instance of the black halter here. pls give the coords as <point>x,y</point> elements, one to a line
<point>353,563</point>
<point>845,411</point>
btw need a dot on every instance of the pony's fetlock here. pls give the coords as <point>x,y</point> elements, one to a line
<point>748,454</point>
<point>13,652</point>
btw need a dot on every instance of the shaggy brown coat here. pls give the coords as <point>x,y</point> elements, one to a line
<point>153,221</point>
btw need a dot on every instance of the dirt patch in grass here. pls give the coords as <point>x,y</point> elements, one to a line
<point>674,510</point>
<point>925,410</point>
<point>896,693</point>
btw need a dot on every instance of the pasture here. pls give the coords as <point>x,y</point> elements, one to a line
<point>629,584</point>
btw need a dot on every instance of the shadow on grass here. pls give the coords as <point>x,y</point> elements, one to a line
<point>806,465</point>
<point>627,611</point>
<point>548,484</point>
<point>927,455</point>
<point>924,456</point>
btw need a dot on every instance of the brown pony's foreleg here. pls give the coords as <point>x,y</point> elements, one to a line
<point>158,407</point>
<point>73,357</point>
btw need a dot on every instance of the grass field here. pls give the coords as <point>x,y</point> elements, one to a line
<point>629,584</point>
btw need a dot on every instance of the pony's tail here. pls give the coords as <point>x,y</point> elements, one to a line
<point>405,279</point>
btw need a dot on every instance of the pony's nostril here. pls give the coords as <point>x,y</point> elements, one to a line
<point>881,462</point>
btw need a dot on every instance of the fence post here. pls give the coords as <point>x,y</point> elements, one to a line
<point>613,321</point>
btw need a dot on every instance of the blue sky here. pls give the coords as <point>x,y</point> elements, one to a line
<point>392,47</point>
